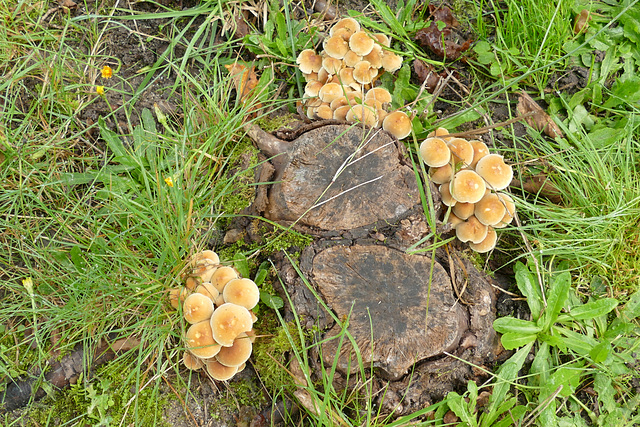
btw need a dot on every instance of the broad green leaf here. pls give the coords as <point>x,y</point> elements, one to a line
<point>617,328</point>
<point>631,309</point>
<point>627,91</point>
<point>600,352</point>
<point>511,324</point>
<point>271,301</point>
<point>558,293</point>
<point>568,377</point>
<point>262,273</point>
<point>529,287</point>
<point>78,260</point>
<point>602,384</point>
<point>504,377</point>
<point>513,340</point>
<point>593,309</point>
<point>512,418</point>
<point>541,365</point>
<point>241,264</point>
<point>580,343</point>
<point>120,153</point>
<point>459,407</point>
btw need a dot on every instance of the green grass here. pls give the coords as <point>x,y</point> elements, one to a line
<point>88,215</point>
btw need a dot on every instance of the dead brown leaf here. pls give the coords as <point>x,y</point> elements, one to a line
<point>536,117</point>
<point>540,185</point>
<point>442,42</point>
<point>245,81</point>
<point>426,72</point>
<point>581,22</point>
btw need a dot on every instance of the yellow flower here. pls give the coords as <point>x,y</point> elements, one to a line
<point>100,90</point>
<point>169,181</point>
<point>28,285</point>
<point>107,72</point>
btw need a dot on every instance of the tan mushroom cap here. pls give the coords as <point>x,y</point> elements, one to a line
<point>177,296</point>
<point>191,362</point>
<point>383,39</point>
<point>375,56</point>
<point>200,342</point>
<point>454,220</point>
<point>440,133</point>
<point>495,171</point>
<point>192,282</point>
<point>310,77</point>
<point>238,353</point>
<point>350,24</point>
<point>471,231</point>
<point>242,292</point>
<point>510,210</point>
<point>442,174</point>
<point>446,196</point>
<point>312,88</point>
<point>461,150</point>
<point>222,276</point>
<point>206,257</point>
<point>309,62</point>
<point>361,43</point>
<point>207,289</point>
<point>323,75</point>
<point>467,186</point>
<point>197,308</point>
<point>312,105</point>
<point>490,209</point>
<point>463,210</point>
<point>336,47</point>
<point>346,79</point>
<point>397,124</point>
<point>218,371</point>
<point>487,244</point>
<point>331,65</point>
<point>330,91</point>
<point>480,150</point>
<point>351,58</point>
<point>362,72</point>
<point>341,112</point>
<point>363,114</point>
<point>391,62</point>
<point>324,112</point>
<point>228,321</point>
<point>435,152</point>
<point>379,94</point>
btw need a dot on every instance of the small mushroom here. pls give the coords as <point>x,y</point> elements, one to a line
<point>341,112</point>
<point>391,62</point>
<point>467,186</point>
<point>471,231</point>
<point>309,62</point>
<point>332,65</point>
<point>362,72</point>
<point>446,196</point>
<point>192,282</point>
<point>361,43</point>
<point>351,58</point>
<point>375,56</point>
<point>440,133</point>
<point>490,209</point>
<point>397,124</point>
<point>487,244</point>
<point>208,257</point>
<point>197,308</point>
<point>379,94</point>
<point>464,210</point>
<point>218,371</point>
<point>495,171</point>
<point>312,88</point>
<point>330,91</point>
<point>383,39</point>
<point>191,362</point>
<point>442,174</point>
<point>222,276</point>
<point>238,353</point>
<point>177,296</point>
<point>454,220</point>
<point>350,24</point>
<point>207,289</point>
<point>200,342</point>
<point>242,292</point>
<point>336,47</point>
<point>435,152</point>
<point>324,112</point>
<point>461,150</point>
<point>480,150</point>
<point>510,210</point>
<point>363,114</point>
<point>228,321</point>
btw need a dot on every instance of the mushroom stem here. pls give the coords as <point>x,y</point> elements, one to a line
<point>269,145</point>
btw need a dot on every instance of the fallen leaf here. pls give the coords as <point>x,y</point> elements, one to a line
<point>581,22</point>
<point>426,72</point>
<point>244,80</point>
<point>540,185</point>
<point>442,41</point>
<point>536,117</point>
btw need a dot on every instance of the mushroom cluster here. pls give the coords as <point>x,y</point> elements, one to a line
<point>341,79</point>
<point>217,304</point>
<point>470,181</point>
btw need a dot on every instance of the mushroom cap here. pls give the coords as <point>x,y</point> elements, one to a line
<point>435,152</point>
<point>177,296</point>
<point>439,132</point>
<point>228,321</point>
<point>379,94</point>
<point>345,76</point>
<point>192,282</point>
<point>442,174</point>
<point>462,150</point>
<point>341,112</point>
<point>463,210</point>
<point>488,243</point>
<point>207,289</point>
<point>197,308</point>
<point>375,56</point>
<point>312,88</point>
<point>490,209</point>
<point>446,196</point>
<point>242,292</point>
<point>218,371</point>
<point>391,62</point>
<point>336,47</point>
<point>471,231</point>
<point>191,362</point>
<point>454,220</point>
<point>310,77</point>
<point>480,150</point>
<point>222,276</point>
<point>383,39</point>
<point>309,62</point>
<point>350,24</point>
<point>510,210</point>
<point>200,342</point>
<point>330,91</point>
<point>495,171</point>
<point>238,353</point>
<point>312,105</point>
<point>339,102</point>
<point>206,257</point>
<point>361,43</point>
<point>331,65</point>
<point>351,58</point>
<point>397,124</point>
<point>323,75</point>
<point>362,72</point>
<point>363,114</point>
<point>324,111</point>
<point>467,186</point>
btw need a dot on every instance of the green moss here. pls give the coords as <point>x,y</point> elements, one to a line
<point>270,356</point>
<point>270,124</point>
